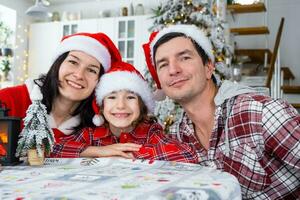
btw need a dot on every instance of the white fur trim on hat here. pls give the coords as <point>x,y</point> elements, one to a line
<point>124,80</point>
<point>159,95</point>
<point>191,31</point>
<point>98,120</point>
<point>86,44</point>
<point>34,90</point>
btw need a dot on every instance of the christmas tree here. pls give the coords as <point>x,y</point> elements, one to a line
<point>203,14</point>
<point>36,132</point>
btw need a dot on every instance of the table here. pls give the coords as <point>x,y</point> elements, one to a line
<point>116,178</point>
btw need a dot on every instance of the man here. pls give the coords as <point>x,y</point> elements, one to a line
<point>232,128</point>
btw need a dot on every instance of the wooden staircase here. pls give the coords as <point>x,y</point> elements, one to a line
<point>292,89</point>
<point>237,8</point>
<point>252,8</point>
<point>287,74</point>
<point>250,30</point>
<point>256,56</point>
<point>296,105</point>
<point>260,56</point>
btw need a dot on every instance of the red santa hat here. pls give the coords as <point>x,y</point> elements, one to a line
<point>97,45</point>
<point>122,76</point>
<point>190,31</point>
<point>98,120</point>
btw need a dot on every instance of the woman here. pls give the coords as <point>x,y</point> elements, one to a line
<point>68,87</point>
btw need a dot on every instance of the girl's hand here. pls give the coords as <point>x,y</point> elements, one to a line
<point>120,149</point>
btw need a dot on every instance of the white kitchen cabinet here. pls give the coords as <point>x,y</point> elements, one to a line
<point>131,33</point>
<point>128,34</point>
<point>143,23</point>
<point>43,40</point>
<point>106,25</point>
<point>87,25</point>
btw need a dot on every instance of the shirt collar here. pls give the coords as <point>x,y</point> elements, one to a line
<point>67,127</point>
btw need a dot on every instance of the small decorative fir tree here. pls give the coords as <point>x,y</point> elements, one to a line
<point>203,14</point>
<point>36,132</point>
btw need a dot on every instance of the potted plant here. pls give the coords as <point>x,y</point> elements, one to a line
<point>5,36</point>
<point>5,68</point>
<point>36,138</point>
<point>5,50</point>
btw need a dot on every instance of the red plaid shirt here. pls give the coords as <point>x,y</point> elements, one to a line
<point>264,145</point>
<point>156,145</point>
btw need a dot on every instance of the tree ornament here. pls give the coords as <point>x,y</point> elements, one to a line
<point>198,8</point>
<point>36,133</point>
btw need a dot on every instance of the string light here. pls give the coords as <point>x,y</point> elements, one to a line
<point>23,58</point>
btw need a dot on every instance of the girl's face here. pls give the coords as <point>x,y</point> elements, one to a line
<point>121,109</point>
<point>78,76</point>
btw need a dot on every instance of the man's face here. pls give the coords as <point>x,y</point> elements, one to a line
<point>180,69</point>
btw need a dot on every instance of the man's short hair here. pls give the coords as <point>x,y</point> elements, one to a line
<point>170,36</point>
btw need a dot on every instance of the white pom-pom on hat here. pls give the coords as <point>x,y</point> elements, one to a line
<point>98,120</point>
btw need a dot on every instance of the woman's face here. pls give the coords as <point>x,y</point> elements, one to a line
<point>78,76</point>
<point>121,109</point>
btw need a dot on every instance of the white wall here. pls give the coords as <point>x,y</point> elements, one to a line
<point>20,24</point>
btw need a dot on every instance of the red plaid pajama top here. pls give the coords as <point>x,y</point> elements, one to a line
<point>156,145</point>
<point>264,145</point>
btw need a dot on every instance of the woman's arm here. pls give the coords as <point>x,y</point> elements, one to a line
<point>71,146</point>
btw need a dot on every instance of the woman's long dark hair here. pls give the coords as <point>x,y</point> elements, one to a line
<point>49,85</point>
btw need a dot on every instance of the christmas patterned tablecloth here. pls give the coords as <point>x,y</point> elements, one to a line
<point>116,178</point>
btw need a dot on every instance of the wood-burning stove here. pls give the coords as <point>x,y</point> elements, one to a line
<point>9,132</point>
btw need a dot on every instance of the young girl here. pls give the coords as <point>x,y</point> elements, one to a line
<point>126,129</point>
<point>68,87</point>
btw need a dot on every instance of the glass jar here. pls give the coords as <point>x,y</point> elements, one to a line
<point>124,11</point>
<point>139,9</point>
<point>236,75</point>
